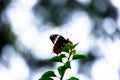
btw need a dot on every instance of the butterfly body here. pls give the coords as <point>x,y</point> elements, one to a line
<point>59,42</point>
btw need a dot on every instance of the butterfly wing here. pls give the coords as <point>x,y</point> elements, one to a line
<point>59,42</point>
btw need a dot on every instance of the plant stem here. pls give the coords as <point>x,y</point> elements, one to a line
<point>62,76</point>
<point>67,61</point>
<point>70,55</point>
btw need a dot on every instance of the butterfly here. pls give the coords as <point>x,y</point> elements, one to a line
<point>59,42</point>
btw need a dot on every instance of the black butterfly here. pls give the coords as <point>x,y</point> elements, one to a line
<point>59,42</point>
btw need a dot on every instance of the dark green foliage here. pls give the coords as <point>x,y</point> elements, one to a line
<point>61,70</point>
<point>56,59</point>
<point>73,78</point>
<point>62,55</point>
<point>47,75</point>
<point>67,64</point>
<point>46,78</point>
<point>65,49</point>
<point>74,45</point>
<point>79,56</point>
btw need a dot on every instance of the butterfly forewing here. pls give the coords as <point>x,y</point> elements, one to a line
<point>55,38</point>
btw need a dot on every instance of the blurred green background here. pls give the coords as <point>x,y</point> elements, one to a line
<point>25,27</point>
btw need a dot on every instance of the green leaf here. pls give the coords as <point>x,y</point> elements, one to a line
<point>56,59</point>
<point>75,45</point>
<point>69,45</point>
<point>67,64</point>
<point>62,55</point>
<point>73,78</point>
<point>46,78</point>
<point>79,56</point>
<point>61,70</point>
<point>65,49</point>
<point>47,75</point>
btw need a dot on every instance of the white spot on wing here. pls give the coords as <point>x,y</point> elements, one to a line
<point>56,39</point>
